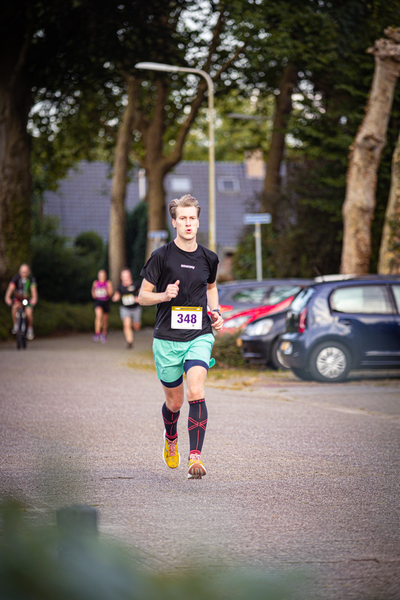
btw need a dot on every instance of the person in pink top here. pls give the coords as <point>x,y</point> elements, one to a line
<point>102,291</point>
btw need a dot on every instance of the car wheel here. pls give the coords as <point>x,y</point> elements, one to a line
<point>275,360</point>
<point>330,362</point>
<point>302,374</point>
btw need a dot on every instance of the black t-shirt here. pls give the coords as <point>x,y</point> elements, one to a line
<point>194,270</point>
<point>128,293</point>
<point>23,286</point>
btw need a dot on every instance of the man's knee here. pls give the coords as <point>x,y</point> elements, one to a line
<point>195,391</point>
<point>174,398</point>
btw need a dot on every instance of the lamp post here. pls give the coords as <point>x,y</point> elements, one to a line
<point>211,151</point>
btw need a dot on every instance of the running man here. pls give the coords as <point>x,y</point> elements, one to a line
<point>184,274</point>
<point>130,310</point>
<point>22,286</point>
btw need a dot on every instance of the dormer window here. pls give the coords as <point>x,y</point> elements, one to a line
<point>228,184</point>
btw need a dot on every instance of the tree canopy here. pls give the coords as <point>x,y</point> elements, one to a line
<point>70,65</point>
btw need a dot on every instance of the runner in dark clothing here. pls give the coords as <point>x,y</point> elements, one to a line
<point>184,274</point>
<point>130,310</point>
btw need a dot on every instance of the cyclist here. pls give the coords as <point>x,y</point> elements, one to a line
<point>22,286</point>
<point>130,310</point>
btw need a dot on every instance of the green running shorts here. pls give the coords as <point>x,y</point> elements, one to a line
<point>170,356</point>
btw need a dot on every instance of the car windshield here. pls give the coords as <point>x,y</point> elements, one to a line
<point>302,299</point>
<point>251,295</point>
<point>281,292</point>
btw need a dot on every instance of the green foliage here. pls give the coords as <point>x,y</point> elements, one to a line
<point>233,136</point>
<point>244,262</point>
<point>136,238</point>
<point>90,242</point>
<point>63,273</point>
<point>39,562</point>
<point>226,352</point>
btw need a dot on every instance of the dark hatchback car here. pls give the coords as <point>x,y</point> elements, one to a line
<point>338,326</point>
<point>259,342</point>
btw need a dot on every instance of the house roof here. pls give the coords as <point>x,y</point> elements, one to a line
<point>82,201</point>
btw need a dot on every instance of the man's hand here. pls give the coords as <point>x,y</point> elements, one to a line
<point>217,321</point>
<point>172,291</point>
<point>8,301</point>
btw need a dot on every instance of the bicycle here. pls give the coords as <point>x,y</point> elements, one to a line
<point>21,324</point>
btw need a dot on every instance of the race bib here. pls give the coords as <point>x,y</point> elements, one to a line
<point>128,300</point>
<point>186,317</point>
<point>101,293</point>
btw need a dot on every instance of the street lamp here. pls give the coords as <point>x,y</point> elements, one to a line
<point>211,151</point>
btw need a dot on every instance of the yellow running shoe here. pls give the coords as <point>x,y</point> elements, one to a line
<point>196,468</point>
<point>171,456</point>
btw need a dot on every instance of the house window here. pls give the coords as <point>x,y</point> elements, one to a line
<point>228,184</point>
<point>181,184</point>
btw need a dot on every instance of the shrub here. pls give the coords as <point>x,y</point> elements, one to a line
<point>64,273</point>
<point>90,242</point>
<point>226,352</point>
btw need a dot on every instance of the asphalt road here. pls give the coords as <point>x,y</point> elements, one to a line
<point>301,476</point>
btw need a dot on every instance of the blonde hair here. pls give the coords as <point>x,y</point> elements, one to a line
<point>185,201</point>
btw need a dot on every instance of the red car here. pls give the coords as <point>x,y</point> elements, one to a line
<point>242,319</point>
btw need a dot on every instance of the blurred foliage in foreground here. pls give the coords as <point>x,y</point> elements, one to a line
<point>38,563</point>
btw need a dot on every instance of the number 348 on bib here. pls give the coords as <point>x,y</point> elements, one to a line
<point>186,317</point>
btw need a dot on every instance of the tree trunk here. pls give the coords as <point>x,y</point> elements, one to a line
<point>282,112</point>
<point>116,240</point>
<point>156,214</point>
<point>15,179</point>
<point>365,156</point>
<point>389,254</point>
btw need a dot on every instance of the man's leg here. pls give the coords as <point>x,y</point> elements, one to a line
<point>128,333</point>
<point>197,420</point>
<point>14,309</point>
<point>29,320</point>
<point>174,397</point>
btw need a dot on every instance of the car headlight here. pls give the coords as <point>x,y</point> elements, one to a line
<point>260,327</point>
<point>235,322</point>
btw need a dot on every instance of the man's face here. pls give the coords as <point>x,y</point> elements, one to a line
<point>126,278</point>
<point>24,271</point>
<point>186,222</point>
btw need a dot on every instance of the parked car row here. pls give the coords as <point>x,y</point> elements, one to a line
<point>328,329</point>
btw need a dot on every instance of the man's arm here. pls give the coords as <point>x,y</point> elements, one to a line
<point>213,304</point>
<point>148,298</point>
<point>34,295</point>
<point>9,293</point>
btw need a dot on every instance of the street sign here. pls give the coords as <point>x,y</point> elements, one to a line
<point>253,219</point>
<point>157,235</point>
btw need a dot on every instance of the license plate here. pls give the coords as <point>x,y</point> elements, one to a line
<point>186,317</point>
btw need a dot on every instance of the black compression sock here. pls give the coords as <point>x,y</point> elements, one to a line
<point>170,422</point>
<point>197,424</point>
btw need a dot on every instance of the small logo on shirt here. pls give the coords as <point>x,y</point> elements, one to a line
<point>188,266</point>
